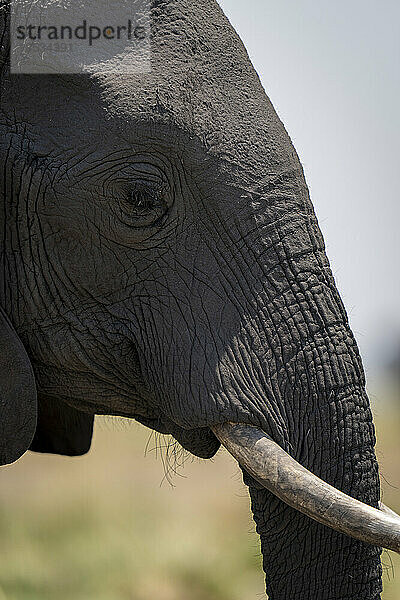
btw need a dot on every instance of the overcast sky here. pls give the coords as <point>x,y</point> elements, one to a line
<point>332,72</point>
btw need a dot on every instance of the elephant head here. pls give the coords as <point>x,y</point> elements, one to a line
<point>161,260</point>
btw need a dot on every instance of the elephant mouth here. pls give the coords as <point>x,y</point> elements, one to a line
<point>287,479</point>
<point>200,441</point>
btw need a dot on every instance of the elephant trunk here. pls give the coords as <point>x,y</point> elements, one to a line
<point>306,384</point>
<point>309,394</point>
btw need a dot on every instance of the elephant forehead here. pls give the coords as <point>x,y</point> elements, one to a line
<point>201,80</point>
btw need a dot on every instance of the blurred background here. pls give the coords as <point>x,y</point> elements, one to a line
<point>130,520</point>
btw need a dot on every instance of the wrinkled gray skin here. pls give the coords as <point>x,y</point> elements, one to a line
<point>224,310</point>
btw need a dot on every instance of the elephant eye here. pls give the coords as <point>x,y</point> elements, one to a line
<point>145,204</point>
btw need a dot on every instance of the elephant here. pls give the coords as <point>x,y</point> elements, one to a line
<point>161,260</point>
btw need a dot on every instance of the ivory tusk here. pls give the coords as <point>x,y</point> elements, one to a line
<point>282,475</point>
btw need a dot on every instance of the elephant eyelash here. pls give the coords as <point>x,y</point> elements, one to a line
<point>144,204</point>
<point>144,196</point>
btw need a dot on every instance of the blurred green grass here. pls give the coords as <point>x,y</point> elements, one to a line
<point>110,526</point>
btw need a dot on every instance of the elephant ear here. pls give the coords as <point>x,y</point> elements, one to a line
<point>62,429</point>
<point>18,401</point>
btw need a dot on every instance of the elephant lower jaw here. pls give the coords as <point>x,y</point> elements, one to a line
<point>94,395</point>
<point>200,441</point>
